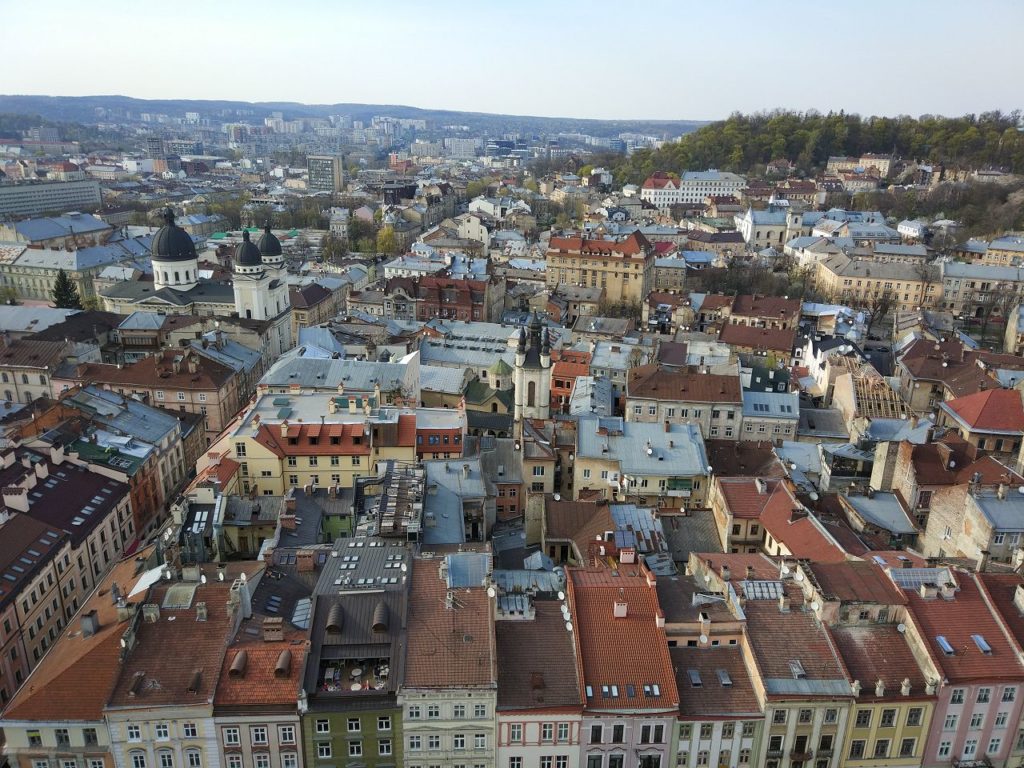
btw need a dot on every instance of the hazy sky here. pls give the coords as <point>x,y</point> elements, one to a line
<point>673,60</point>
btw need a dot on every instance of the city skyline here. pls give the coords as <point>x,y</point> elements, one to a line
<point>763,57</point>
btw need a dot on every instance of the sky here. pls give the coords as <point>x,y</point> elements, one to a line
<point>672,60</point>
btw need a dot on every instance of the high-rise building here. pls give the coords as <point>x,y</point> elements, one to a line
<point>326,173</point>
<point>34,199</point>
<point>154,146</point>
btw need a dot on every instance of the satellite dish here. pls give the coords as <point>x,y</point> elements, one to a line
<point>558,497</point>
<point>202,579</point>
<point>568,626</point>
<point>561,595</point>
<point>703,638</point>
<point>491,592</point>
<point>901,628</point>
<point>1020,489</point>
<point>792,465</point>
<point>815,605</point>
<point>405,567</point>
<point>814,496</point>
<point>785,569</point>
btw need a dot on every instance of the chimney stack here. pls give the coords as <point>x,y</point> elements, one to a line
<point>725,573</point>
<point>90,623</point>
<point>783,603</point>
<point>880,687</point>
<point>856,687</point>
<point>905,688</point>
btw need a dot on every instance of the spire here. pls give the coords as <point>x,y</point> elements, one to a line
<point>545,344</point>
<point>168,216</point>
<point>245,235</point>
<point>522,340</point>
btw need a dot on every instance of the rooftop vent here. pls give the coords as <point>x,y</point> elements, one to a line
<point>238,664</point>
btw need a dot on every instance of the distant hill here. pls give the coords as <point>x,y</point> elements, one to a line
<point>84,109</point>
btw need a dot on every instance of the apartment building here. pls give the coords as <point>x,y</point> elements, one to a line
<point>623,268</point>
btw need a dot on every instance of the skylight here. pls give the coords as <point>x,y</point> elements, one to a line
<point>695,680</point>
<point>982,644</point>
<point>723,678</point>
<point>797,668</point>
<point>944,645</point>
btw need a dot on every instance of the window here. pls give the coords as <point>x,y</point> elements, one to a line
<point>480,741</point>
<point>384,747</point>
<point>189,730</point>
<point>984,695</point>
<point>232,737</point>
<point>323,726</point>
<point>261,760</point>
<point>414,712</point>
<point>595,761</point>
<point>414,743</point>
<point>479,710</point>
<point>459,741</point>
<point>286,734</point>
<point>618,733</point>
<point>63,737</point>
<point>165,758</point>
<point>547,732</point>
<point>950,724</point>
<point>957,696</point>
<point>779,717</point>
<point>970,747</point>
<point>945,747</point>
<point>433,712</point>
<point>748,730</point>
<point>856,749</point>
<point>89,734</point>
<point>181,396</point>
<point>882,748</point>
<point>994,745</point>
<point>596,732</point>
<point>234,760</point>
<point>728,730</point>
<point>433,742</point>
<point>744,757</point>
<point>354,725</point>
<point>134,733</point>
<point>384,723</point>
<point>138,760</point>
<point>563,732</point>
<point>703,757</point>
<point>805,716</point>
<point>706,731</point>
<point>888,718</point>
<point>863,718</point>
<point>907,747</point>
<point>914,716</point>
<point>586,474</point>
<point>355,748</point>
<point>323,750</point>
<point>258,734</point>
<point>517,762</point>
<point>1009,694</point>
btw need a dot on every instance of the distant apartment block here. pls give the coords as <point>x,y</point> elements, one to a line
<point>33,199</point>
<point>326,173</point>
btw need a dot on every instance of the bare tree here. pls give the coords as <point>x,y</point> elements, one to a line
<point>878,305</point>
<point>928,275</point>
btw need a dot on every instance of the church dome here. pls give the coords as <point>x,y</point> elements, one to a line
<point>171,242</point>
<point>268,243</point>
<point>246,253</point>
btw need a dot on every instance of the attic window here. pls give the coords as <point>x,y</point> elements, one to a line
<point>630,690</point>
<point>652,689</point>
<point>982,644</point>
<point>694,675</point>
<point>590,691</point>
<point>605,692</point>
<point>797,669</point>
<point>944,645</point>
<point>723,678</point>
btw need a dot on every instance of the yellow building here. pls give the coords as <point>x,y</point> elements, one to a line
<point>314,439</point>
<point>893,702</point>
<point>858,281</point>
<point>623,268</point>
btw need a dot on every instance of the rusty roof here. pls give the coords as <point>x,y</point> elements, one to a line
<point>537,662</point>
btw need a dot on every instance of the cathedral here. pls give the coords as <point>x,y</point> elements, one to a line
<point>532,374</point>
<point>258,290</point>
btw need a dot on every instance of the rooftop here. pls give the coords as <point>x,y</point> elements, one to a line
<point>531,680</point>
<point>713,682</point>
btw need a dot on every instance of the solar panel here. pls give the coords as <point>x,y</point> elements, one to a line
<point>913,578</point>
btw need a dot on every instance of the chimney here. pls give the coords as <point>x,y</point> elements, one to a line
<point>304,560</point>
<point>90,623</point>
<point>880,687</point>
<point>1001,492</point>
<point>201,612</point>
<point>929,591</point>
<point>284,428</point>
<point>929,688</point>
<point>725,573</point>
<point>761,485</point>
<point>240,597</point>
<point>620,609</point>
<point>16,498</point>
<point>1018,598</point>
<point>332,405</point>
<point>287,520</point>
<point>856,687</point>
<point>151,613</point>
<point>750,572</point>
<point>659,619</point>
<point>125,612</point>
<point>465,471</point>
<point>273,629</point>
<point>982,563</point>
<point>705,623</point>
<point>783,603</point>
<point>905,687</point>
<point>948,591</point>
<point>667,425</point>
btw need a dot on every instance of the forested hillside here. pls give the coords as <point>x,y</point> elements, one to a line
<point>745,143</point>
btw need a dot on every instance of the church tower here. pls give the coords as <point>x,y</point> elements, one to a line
<point>174,258</point>
<point>532,373</point>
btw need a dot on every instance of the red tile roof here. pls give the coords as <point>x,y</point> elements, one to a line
<point>1001,588</point>
<point>448,648</point>
<point>660,180</point>
<point>653,382</point>
<point>577,521</point>
<point>956,620</point>
<point>628,652</point>
<point>777,307</point>
<point>259,683</point>
<point>997,410</point>
<point>856,581</point>
<point>746,497</point>
<point>801,535</point>
<point>879,652</point>
<point>633,245</point>
<point>775,339</point>
<point>73,680</point>
<point>744,458</point>
<point>950,461</point>
<point>712,699</point>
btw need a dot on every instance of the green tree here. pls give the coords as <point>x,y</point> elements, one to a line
<point>386,240</point>
<point>358,229</point>
<point>332,247</point>
<point>65,293</point>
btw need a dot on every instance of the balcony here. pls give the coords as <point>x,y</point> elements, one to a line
<point>824,753</point>
<point>980,762</point>
<point>775,753</point>
<point>795,754</point>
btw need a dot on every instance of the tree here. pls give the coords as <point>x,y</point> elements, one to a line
<point>878,306</point>
<point>386,240</point>
<point>360,229</point>
<point>65,293</point>
<point>332,247</point>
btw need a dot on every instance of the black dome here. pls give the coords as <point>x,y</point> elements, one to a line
<point>172,243</point>
<point>268,243</point>
<point>247,254</point>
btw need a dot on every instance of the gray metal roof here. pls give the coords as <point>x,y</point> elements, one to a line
<point>883,510</point>
<point>1004,514</point>
<point>686,456</point>
<point>355,375</point>
<point>22,319</point>
<point>774,405</point>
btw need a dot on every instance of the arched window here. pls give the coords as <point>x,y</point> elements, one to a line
<point>138,759</point>
<point>177,277</point>
<point>248,314</point>
<point>531,394</point>
<point>193,758</point>
<point>165,758</point>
